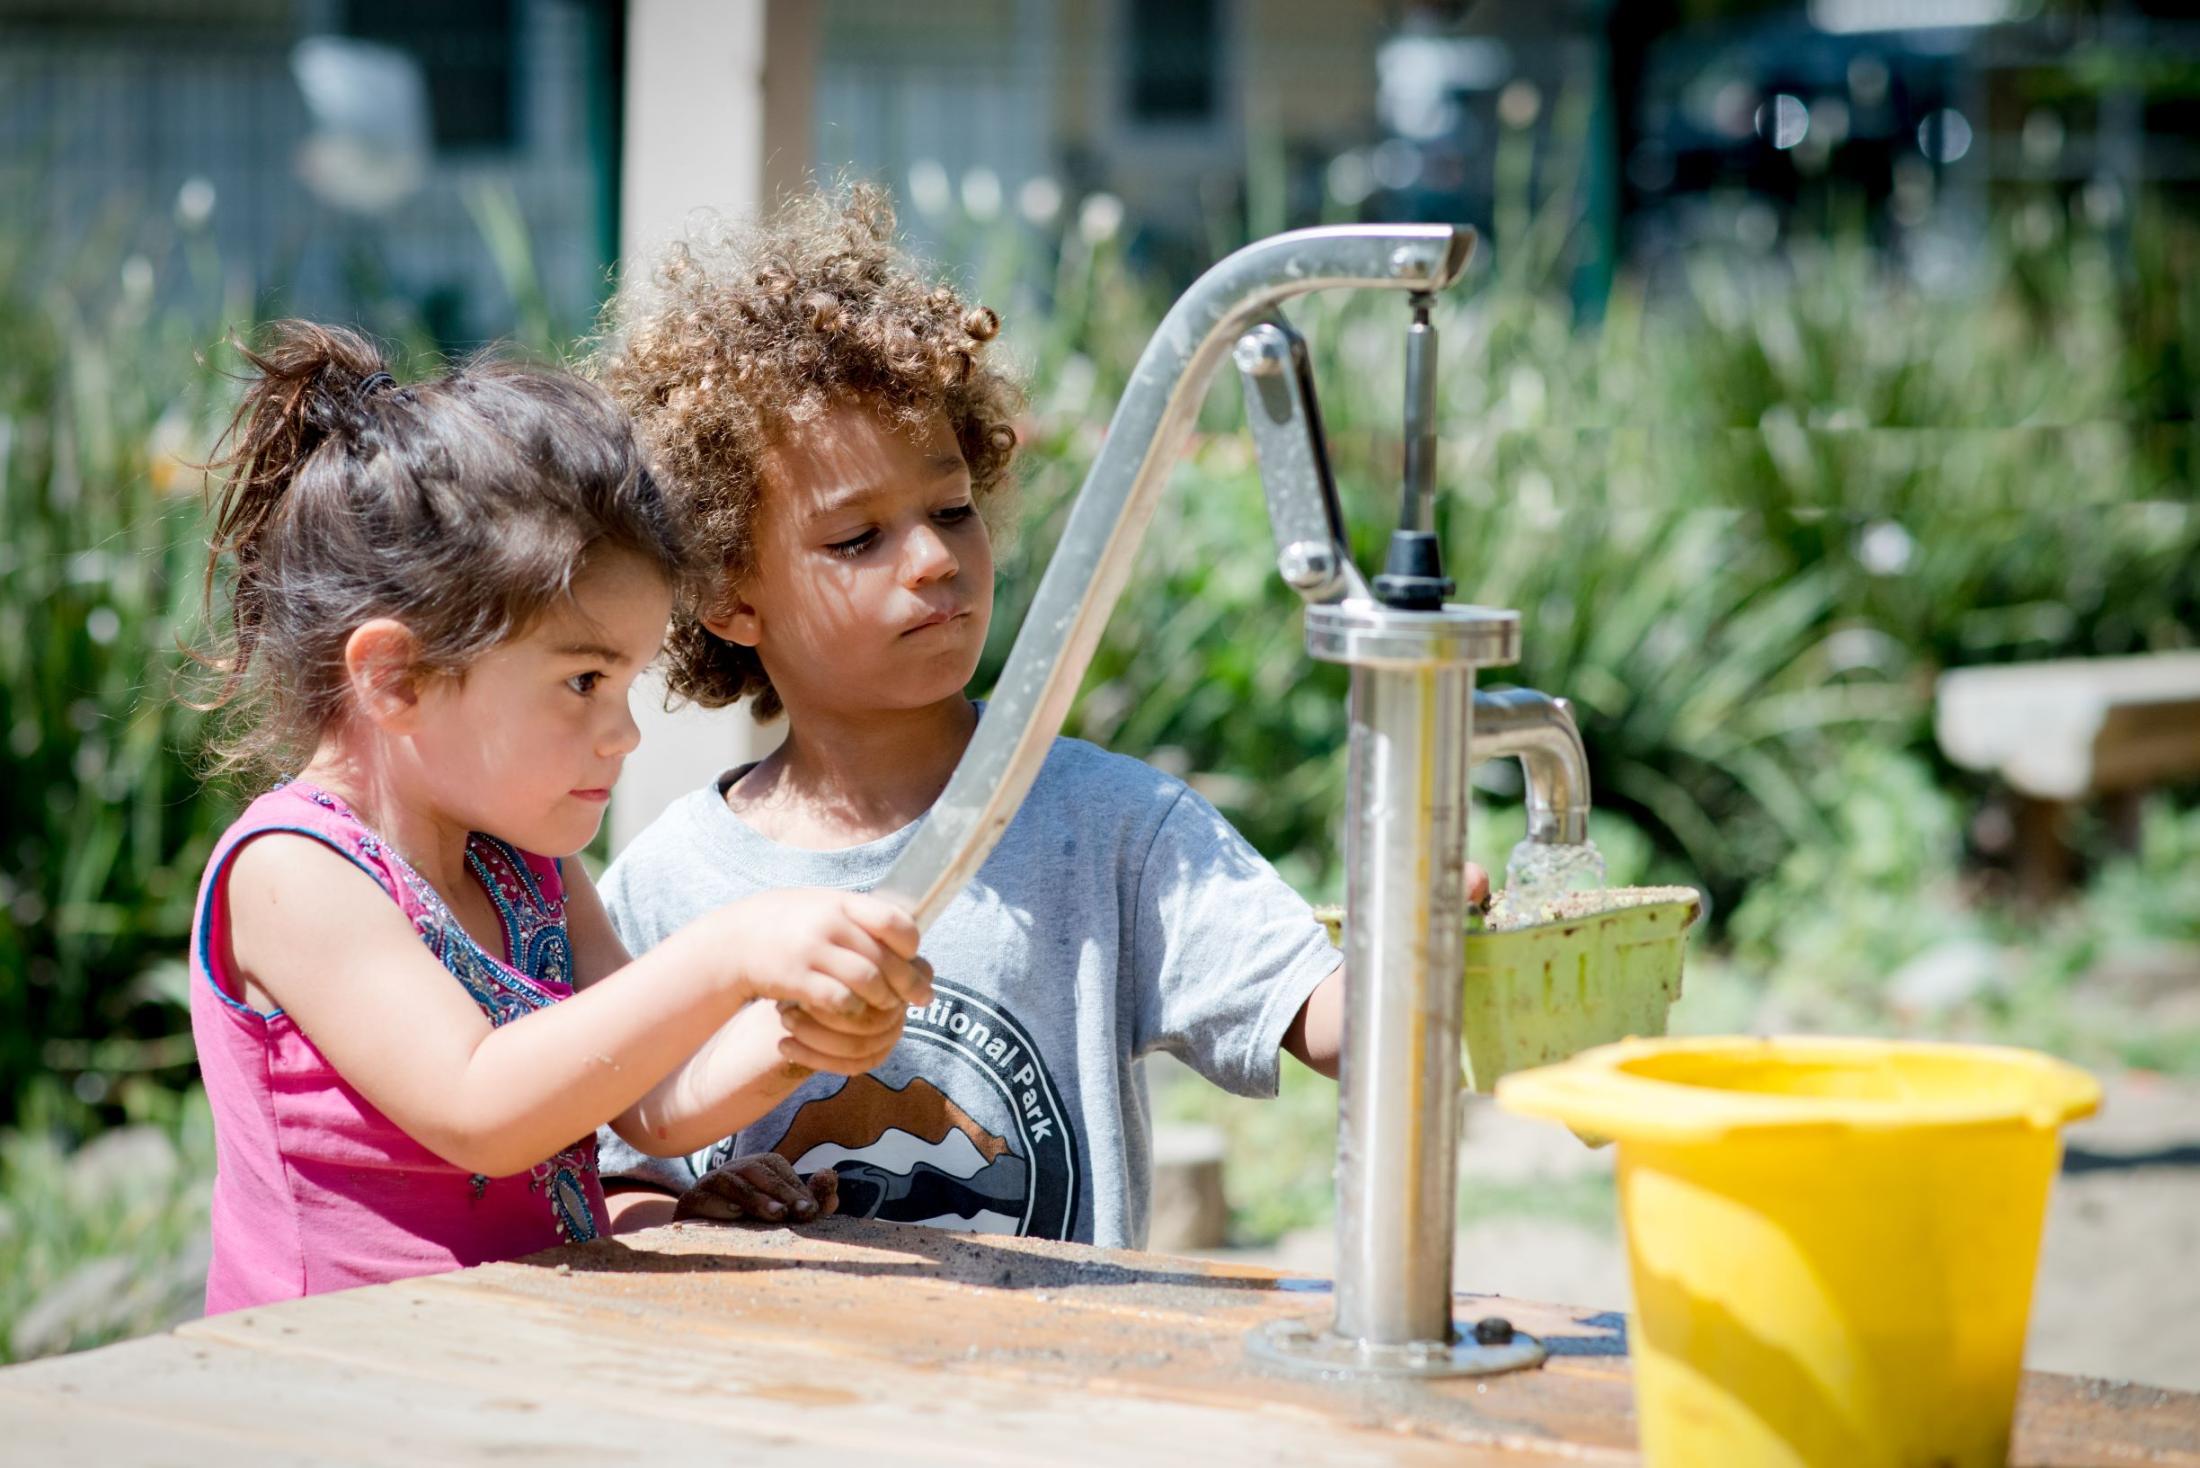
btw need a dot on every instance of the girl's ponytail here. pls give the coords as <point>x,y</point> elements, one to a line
<point>312,384</point>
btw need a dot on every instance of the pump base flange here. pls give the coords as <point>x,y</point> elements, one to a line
<point>1310,1347</point>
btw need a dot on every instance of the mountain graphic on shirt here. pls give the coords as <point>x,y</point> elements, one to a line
<point>910,1155</point>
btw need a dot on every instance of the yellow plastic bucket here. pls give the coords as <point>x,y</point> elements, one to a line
<point>1831,1242</point>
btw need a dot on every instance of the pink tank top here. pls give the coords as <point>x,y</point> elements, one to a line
<point>315,1189</point>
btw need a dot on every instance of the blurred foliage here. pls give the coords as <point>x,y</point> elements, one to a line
<point>101,398</point>
<point>108,1239</point>
<point>111,390</point>
<point>1882,929</point>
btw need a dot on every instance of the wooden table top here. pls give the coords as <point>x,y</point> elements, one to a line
<point>899,1343</point>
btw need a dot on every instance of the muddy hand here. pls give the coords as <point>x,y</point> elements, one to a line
<point>762,1185</point>
<point>1478,888</point>
<point>847,1044</point>
<point>840,957</point>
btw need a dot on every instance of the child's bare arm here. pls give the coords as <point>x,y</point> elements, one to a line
<point>499,1100</point>
<point>751,1064</point>
<point>1316,1036</point>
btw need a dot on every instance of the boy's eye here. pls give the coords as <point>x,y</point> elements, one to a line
<point>854,545</point>
<point>584,683</point>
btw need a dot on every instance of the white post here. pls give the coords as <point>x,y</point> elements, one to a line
<point>718,117</point>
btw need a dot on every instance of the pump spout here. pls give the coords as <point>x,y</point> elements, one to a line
<point>1539,731</point>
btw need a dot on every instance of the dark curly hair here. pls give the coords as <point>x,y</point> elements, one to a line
<point>463,506</point>
<point>741,333</point>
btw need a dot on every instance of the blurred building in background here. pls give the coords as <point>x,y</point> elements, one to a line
<point>1676,121</point>
<point>1188,111</point>
<point>341,152</point>
<point>352,151</point>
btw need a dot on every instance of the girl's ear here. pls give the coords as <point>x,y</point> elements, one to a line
<point>380,664</point>
<point>734,619</point>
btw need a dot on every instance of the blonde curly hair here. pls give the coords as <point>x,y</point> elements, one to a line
<point>739,334</point>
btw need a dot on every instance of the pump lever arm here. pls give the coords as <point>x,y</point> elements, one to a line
<point>1312,551</point>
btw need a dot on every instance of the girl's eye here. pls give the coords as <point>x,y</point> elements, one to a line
<point>955,514</point>
<point>584,683</point>
<point>853,546</point>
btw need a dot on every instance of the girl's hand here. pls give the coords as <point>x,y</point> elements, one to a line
<point>846,960</point>
<point>859,1044</point>
<point>760,1185</point>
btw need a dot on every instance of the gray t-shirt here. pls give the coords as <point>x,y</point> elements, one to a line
<point>1121,914</point>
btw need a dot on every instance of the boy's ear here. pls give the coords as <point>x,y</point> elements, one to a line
<point>734,620</point>
<point>381,664</point>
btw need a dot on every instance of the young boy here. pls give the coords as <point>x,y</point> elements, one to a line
<point>836,437</point>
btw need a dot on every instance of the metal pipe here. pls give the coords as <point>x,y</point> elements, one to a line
<point>1399,1076</point>
<point>1093,560</point>
<point>1539,731</point>
<point>1419,510</point>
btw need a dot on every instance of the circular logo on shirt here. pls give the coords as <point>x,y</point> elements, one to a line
<point>975,1137</point>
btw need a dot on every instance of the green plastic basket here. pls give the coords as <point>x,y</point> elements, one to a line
<point>1600,967</point>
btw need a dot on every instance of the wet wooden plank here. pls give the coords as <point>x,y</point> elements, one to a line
<point>170,1399</point>
<point>853,1337</point>
<point>800,1393</point>
<point>1158,1328</point>
<point>45,1432</point>
<point>1144,1327</point>
<point>296,1396</point>
<point>2075,1419</point>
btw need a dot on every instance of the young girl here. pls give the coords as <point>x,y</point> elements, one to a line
<point>837,440</point>
<point>411,1013</point>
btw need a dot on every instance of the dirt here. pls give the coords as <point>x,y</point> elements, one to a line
<point>2118,1294</point>
<point>1569,907</point>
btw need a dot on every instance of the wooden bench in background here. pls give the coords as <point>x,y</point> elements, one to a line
<point>2059,733</point>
